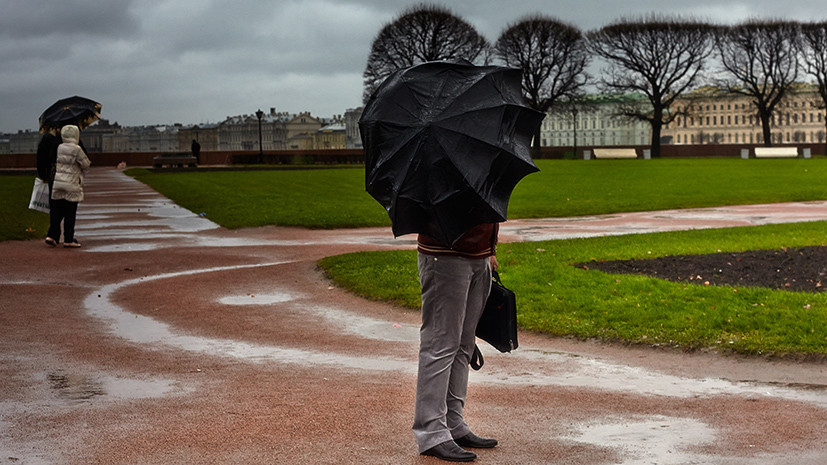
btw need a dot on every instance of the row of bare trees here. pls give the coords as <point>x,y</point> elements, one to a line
<point>658,57</point>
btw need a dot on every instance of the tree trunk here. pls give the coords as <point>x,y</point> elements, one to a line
<point>765,126</point>
<point>656,129</point>
<point>657,126</point>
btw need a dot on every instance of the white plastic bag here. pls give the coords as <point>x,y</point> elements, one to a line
<point>40,196</point>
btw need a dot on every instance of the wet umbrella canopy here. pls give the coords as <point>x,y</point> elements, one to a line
<point>445,144</point>
<point>79,111</point>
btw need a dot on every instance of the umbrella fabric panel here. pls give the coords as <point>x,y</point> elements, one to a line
<point>393,154</point>
<point>494,88</point>
<point>492,173</point>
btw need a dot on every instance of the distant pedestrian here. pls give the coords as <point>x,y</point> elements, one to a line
<point>67,188</point>
<point>196,151</point>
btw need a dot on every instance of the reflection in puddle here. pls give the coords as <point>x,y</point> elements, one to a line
<point>77,388</point>
<point>74,387</point>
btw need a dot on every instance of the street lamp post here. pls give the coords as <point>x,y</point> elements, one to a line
<point>259,115</point>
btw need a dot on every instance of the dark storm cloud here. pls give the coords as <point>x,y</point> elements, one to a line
<point>195,61</point>
<point>36,19</point>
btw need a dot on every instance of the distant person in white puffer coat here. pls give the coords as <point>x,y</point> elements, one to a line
<point>67,190</point>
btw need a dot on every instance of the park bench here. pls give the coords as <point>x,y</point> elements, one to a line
<point>776,152</point>
<point>615,153</point>
<point>174,160</point>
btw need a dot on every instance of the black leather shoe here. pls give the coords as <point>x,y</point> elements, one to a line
<point>451,452</point>
<point>472,440</point>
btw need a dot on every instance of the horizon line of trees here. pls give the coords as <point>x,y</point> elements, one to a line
<point>660,57</point>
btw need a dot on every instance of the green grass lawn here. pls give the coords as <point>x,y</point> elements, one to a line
<point>336,198</point>
<point>18,222</point>
<point>313,198</point>
<point>554,297</point>
<point>577,187</point>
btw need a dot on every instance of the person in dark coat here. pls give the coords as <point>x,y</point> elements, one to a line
<point>196,151</point>
<point>47,157</point>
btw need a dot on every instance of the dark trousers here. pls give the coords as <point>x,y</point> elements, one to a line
<point>62,211</point>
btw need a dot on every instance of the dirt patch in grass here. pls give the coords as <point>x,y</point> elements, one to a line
<point>799,269</point>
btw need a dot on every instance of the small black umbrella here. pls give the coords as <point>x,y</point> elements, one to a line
<point>79,111</point>
<point>445,144</point>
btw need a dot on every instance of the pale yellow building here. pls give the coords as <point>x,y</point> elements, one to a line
<point>331,136</point>
<point>301,130</point>
<point>718,117</point>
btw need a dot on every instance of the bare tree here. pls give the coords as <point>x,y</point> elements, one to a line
<point>761,58</point>
<point>658,57</point>
<point>421,34</point>
<point>814,54</point>
<point>552,56</point>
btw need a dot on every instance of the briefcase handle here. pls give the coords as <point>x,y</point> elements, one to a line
<point>495,275</point>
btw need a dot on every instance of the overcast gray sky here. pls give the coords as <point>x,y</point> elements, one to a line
<point>199,61</point>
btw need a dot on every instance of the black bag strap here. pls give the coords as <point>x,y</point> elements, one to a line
<point>477,361</point>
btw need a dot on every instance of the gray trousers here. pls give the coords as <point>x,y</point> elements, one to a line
<point>454,291</point>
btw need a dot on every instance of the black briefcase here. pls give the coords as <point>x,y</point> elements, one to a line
<point>498,323</point>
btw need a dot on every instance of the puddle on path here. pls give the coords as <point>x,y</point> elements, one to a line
<point>145,330</point>
<point>74,387</point>
<point>257,299</point>
<point>563,369</point>
<point>155,233</point>
<point>649,439</point>
<point>366,327</point>
<point>342,322</point>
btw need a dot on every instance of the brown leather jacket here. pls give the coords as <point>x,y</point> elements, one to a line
<point>478,242</point>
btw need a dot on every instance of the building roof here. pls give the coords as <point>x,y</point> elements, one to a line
<point>337,126</point>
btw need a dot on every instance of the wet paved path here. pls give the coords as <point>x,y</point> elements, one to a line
<point>169,340</point>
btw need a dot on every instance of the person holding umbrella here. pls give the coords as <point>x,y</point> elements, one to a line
<point>67,190</point>
<point>445,144</point>
<point>76,111</point>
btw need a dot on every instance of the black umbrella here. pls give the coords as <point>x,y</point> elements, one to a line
<point>445,144</point>
<point>79,111</point>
